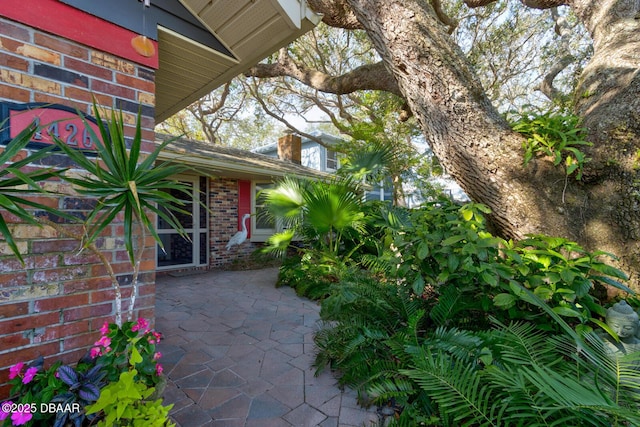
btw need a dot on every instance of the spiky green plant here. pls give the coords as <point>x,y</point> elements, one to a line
<point>16,184</point>
<point>123,180</point>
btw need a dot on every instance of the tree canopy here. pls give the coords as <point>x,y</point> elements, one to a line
<point>457,67</point>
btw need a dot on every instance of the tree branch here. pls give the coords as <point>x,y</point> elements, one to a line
<point>336,13</point>
<point>443,17</point>
<point>564,31</point>
<point>534,4</point>
<point>366,77</point>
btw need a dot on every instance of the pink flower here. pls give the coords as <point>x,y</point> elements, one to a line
<point>157,356</point>
<point>159,369</point>
<point>157,337</point>
<point>28,376</point>
<point>103,341</point>
<point>3,414</point>
<point>142,323</point>
<point>20,418</point>
<point>15,370</point>
<point>95,352</point>
<point>104,330</point>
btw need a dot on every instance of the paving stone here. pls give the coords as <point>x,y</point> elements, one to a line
<point>290,395</point>
<point>235,408</point>
<point>214,397</point>
<point>246,354</point>
<point>305,416</point>
<point>199,380</point>
<point>265,407</point>
<point>225,379</point>
<point>191,416</point>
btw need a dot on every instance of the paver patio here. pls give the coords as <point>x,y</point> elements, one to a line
<point>238,352</point>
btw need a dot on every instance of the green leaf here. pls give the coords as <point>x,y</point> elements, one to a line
<point>544,292</point>
<point>489,278</point>
<point>418,285</point>
<point>452,240</point>
<point>135,357</point>
<point>566,311</point>
<point>504,300</point>
<point>423,250</point>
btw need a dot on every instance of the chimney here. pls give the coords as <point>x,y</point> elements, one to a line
<point>290,148</point>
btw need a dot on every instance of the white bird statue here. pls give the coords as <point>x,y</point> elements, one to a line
<point>240,236</point>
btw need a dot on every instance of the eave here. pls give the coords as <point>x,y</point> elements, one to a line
<point>251,30</point>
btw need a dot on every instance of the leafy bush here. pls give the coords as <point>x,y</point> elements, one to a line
<point>447,251</point>
<point>556,135</point>
<point>454,326</point>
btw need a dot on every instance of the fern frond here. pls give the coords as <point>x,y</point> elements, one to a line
<point>457,388</point>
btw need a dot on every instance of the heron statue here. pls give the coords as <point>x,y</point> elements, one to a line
<point>240,236</point>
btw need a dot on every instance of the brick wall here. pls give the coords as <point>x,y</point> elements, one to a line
<point>223,220</point>
<point>54,305</point>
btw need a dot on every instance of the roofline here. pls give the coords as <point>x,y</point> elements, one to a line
<point>219,166</point>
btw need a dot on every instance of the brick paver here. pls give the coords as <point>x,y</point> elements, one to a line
<point>238,352</point>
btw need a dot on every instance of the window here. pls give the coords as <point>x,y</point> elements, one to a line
<point>178,251</point>
<point>262,225</point>
<point>332,160</point>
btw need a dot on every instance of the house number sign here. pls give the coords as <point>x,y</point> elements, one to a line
<point>53,120</point>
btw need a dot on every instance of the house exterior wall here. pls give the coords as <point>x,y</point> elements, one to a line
<point>226,196</point>
<point>54,305</point>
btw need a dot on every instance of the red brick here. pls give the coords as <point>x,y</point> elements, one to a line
<point>59,274</point>
<point>8,280</point>
<point>88,69</point>
<point>13,309</point>
<point>78,313</point>
<point>27,323</point>
<point>42,261</point>
<point>61,46</point>
<point>27,354</point>
<point>87,96</point>
<point>62,331</point>
<point>69,358</point>
<point>13,341</point>
<point>134,82</point>
<point>54,245</point>
<point>56,303</point>
<point>97,322</point>
<point>112,89</point>
<point>147,289</point>
<point>87,284</point>
<point>86,257</point>
<point>14,31</point>
<point>14,93</point>
<point>4,391</point>
<point>13,62</point>
<point>51,99</point>
<point>80,341</point>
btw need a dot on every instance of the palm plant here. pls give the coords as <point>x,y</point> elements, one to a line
<point>122,180</point>
<point>15,184</point>
<point>322,213</point>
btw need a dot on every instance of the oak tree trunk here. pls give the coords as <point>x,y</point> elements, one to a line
<point>478,148</point>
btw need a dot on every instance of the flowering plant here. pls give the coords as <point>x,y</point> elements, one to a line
<point>55,396</point>
<point>128,349</point>
<point>132,342</point>
<point>30,386</point>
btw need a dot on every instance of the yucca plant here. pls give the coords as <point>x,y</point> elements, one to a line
<point>16,185</point>
<point>122,180</point>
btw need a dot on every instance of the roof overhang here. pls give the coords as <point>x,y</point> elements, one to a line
<point>250,30</point>
<point>229,162</point>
